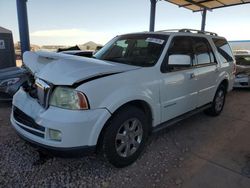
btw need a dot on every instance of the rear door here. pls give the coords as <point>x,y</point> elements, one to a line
<point>178,91</point>
<point>206,70</point>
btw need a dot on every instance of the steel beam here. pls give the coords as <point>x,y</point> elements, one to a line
<point>203,21</point>
<point>152,15</point>
<point>23,25</point>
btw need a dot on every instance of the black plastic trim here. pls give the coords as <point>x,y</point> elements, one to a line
<point>23,118</point>
<point>63,152</point>
<point>41,135</point>
<point>180,118</point>
<point>75,85</point>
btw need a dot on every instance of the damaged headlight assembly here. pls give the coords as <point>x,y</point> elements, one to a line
<point>69,98</point>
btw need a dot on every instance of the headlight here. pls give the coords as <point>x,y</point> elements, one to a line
<point>9,82</point>
<point>68,98</point>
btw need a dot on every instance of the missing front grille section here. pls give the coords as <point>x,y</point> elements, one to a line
<point>26,120</point>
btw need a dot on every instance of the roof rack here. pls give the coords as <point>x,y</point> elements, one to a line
<point>190,31</point>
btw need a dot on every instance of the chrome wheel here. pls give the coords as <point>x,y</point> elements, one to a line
<point>129,137</point>
<point>219,100</point>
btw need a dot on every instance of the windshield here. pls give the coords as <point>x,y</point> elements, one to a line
<point>243,60</point>
<point>137,49</point>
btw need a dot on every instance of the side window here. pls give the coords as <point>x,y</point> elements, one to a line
<point>224,50</point>
<point>180,53</point>
<point>203,51</point>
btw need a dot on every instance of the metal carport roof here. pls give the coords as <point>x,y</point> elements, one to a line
<point>199,5</point>
<point>195,6</point>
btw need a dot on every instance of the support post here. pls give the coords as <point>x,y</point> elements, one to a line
<point>23,25</point>
<point>152,15</point>
<point>203,22</point>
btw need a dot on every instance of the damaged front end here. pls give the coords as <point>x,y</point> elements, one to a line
<point>242,77</point>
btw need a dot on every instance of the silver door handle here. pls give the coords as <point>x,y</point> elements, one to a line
<point>192,75</point>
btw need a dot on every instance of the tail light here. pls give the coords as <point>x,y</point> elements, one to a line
<point>234,68</point>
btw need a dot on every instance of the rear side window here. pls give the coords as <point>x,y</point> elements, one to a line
<point>224,50</point>
<point>203,51</point>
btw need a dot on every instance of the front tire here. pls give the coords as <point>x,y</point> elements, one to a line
<point>218,102</point>
<point>125,136</point>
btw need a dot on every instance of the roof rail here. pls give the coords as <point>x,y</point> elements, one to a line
<point>190,31</point>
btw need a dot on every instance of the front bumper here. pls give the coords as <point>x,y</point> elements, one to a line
<point>243,82</point>
<point>78,128</point>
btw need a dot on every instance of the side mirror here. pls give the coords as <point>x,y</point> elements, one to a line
<point>179,60</point>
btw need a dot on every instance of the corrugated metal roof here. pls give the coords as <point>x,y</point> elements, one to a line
<point>199,5</point>
<point>3,30</point>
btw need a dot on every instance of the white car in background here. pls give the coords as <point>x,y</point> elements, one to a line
<point>242,78</point>
<point>136,84</point>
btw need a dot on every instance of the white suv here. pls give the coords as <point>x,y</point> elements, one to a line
<point>136,84</point>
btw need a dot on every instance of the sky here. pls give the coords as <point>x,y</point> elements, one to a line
<point>70,22</point>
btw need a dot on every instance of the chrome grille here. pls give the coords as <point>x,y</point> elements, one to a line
<point>43,91</point>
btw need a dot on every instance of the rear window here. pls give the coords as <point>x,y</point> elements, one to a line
<point>224,50</point>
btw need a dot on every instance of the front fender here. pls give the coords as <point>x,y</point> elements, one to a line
<point>115,101</point>
<point>114,91</point>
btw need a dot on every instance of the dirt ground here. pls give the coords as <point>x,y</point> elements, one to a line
<point>201,151</point>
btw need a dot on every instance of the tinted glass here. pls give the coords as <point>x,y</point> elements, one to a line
<point>139,50</point>
<point>224,50</point>
<point>181,45</point>
<point>203,51</point>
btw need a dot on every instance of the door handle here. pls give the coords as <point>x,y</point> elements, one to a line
<point>192,75</point>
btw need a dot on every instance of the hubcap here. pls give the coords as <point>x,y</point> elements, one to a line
<point>219,101</point>
<point>129,137</point>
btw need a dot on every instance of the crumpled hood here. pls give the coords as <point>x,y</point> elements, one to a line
<point>62,69</point>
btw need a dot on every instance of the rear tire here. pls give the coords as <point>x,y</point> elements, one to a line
<point>218,102</point>
<point>125,136</point>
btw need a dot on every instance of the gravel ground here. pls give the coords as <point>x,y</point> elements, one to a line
<point>163,164</point>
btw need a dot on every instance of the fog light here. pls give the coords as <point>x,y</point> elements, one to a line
<point>55,135</point>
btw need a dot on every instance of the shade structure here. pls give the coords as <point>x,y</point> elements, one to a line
<point>200,5</point>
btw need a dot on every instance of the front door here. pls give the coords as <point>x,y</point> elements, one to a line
<point>178,92</point>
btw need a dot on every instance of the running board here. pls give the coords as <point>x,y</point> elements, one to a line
<point>180,118</point>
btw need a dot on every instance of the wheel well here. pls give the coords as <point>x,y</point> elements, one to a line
<point>225,83</point>
<point>142,105</point>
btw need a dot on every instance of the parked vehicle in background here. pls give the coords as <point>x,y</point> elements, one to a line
<point>242,78</point>
<point>136,84</point>
<point>241,52</point>
<point>10,81</point>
